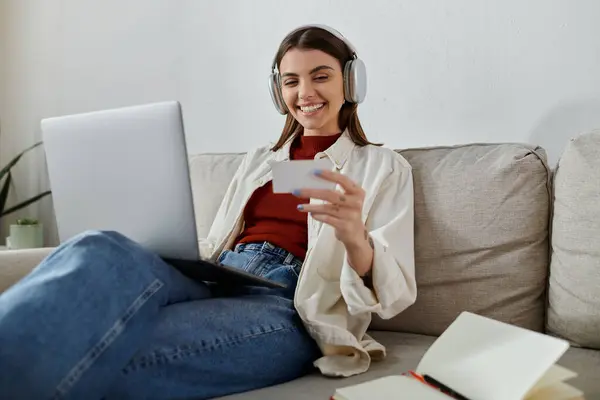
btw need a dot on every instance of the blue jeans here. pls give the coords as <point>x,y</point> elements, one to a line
<point>101,317</point>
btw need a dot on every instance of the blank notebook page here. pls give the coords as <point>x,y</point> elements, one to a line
<point>484,358</point>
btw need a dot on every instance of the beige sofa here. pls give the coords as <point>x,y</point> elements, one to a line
<point>484,214</point>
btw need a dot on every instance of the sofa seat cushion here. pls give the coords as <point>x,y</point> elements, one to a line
<point>405,350</point>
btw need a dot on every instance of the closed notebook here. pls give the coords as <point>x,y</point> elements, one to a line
<point>481,359</point>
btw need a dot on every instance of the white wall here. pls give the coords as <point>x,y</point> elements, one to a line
<point>440,72</point>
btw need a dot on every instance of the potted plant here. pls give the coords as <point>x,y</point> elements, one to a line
<point>6,180</point>
<point>27,233</point>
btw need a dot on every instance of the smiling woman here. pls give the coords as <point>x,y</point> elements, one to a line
<point>313,95</point>
<point>137,328</point>
<point>318,81</point>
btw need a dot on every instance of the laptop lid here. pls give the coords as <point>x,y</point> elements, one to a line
<point>124,170</point>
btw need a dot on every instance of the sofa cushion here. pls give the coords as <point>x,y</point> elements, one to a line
<point>15,264</point>
<point>210,175</point>
<point>404,353</point>
<point>574,293</point>
<point>482,241</point>
<point>482,215</point>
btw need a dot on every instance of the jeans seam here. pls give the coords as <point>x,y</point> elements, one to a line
<point>109,337</point>
<point>255,256</point>
<point>272,252</point>
<point>185,351</point>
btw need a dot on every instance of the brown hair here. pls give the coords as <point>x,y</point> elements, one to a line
<point>313,38</point>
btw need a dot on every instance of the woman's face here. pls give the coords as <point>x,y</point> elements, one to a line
<point>313,90</point>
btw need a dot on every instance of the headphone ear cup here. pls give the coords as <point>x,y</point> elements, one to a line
<point>355,81</point>
<point>275,91</point>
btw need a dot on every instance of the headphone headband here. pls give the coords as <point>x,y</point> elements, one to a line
<point>326,28</point>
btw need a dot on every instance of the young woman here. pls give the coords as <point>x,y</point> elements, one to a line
<point>101,317</point>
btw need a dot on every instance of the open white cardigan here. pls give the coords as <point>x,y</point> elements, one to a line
<point>332,300</point>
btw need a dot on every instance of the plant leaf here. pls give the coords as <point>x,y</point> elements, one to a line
<point>12,163</point>
<point>4,193</point>
<point>26,203</point>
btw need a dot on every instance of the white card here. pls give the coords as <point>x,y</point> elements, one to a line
<point>299,174</point>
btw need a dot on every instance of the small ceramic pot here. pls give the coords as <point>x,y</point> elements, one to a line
<point>26,236</point>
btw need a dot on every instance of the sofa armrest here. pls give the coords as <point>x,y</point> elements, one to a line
<point>15,264</point>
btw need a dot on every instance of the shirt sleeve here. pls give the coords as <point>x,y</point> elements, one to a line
<point>391,225</point>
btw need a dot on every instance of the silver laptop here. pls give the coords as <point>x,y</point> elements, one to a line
<point>127,170</point>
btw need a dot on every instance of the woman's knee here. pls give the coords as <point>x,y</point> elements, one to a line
<point>104,255</point>
<point>98,235</point>
<point>97,248</point>
<point>101,240</point>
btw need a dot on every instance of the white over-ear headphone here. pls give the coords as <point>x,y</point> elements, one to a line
<point>355,75</point>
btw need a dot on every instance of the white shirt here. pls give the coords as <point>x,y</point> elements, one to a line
<point>331,298</point>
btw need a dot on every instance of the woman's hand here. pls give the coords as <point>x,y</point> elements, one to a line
<point>343,211</point>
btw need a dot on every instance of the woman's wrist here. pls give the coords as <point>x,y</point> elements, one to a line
<point>361,253</point>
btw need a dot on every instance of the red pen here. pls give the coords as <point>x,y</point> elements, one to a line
<point>429,381</point>
<point>416,376</point>
<point>444,388</point>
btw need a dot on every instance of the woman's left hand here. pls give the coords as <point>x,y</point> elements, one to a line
<point>342,210</point>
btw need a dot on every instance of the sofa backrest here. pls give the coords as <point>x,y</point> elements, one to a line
<point>210,175</point>
<point>482,231</point>
<point>574,286</point>
<point>481,236</point>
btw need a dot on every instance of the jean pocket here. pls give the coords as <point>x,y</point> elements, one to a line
<point>222,256</point>
<point>293,270</point>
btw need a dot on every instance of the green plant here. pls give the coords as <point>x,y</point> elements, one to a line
<point>27,221</point>
<point>5,174</point>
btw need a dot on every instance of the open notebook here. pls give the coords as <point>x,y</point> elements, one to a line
<point>480,359</point>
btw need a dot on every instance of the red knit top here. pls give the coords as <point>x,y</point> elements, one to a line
<point>274,217</point>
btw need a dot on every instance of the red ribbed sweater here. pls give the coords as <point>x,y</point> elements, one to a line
<point>274,217</point>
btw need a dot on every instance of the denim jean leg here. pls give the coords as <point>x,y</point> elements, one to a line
<point>214,347</point>
<point>209,348</point>
<point>68,328</point>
